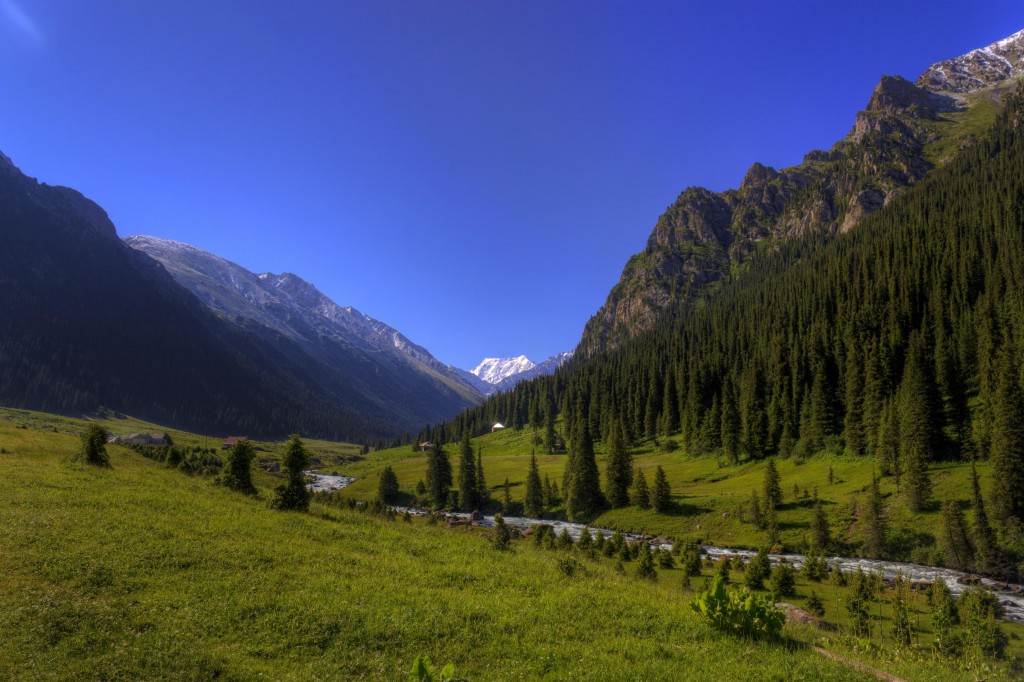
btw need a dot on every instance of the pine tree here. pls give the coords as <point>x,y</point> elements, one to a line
<point>387,485</point>
<point>814,605</point>
<point>873,522</point>
<point>954,539</point>
<point>730,436</point>
<point>944,617</point>
<point>533,505</point>
<point>758,570</point>
<point>94,446</point>
<point>753,417</point>
<point>238,469</point>
<point>887,442</point>
<point>901,630</point>
<point>619,469</point>
<point>439,475</point>
<point>506,496</point>
<point>641,496</point>
<point>772,484</point>
<point>468,490</point>
<point>645,564</point>
<point>853,424</point>
<point>1006,449</point>
<point>919,425</point>
<point>294,495</point>
<point>661,499</point>
<point>820,536</point>
<point>482,493</point>
<point>986,555</point>
<point>549,422</point>
<point>755,510</point>
<point>583,495</point>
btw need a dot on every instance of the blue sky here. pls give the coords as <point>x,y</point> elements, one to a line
<point>473,173</point>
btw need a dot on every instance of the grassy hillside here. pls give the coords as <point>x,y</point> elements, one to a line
<point>142,572</point>
<point>711,499</point>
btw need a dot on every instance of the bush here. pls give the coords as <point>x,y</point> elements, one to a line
<point>757,571</point>
<point>569,566</point>
<point>782,582</point>
<point>739,613</point>
<point>94,446</point>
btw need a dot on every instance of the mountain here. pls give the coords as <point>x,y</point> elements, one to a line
<point>495,370</point>
<point>393,373</point>
<point>705,239</point>
<point>88,322</point>
<point>502,374</point>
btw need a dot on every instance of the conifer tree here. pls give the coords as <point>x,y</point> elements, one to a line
<point>758,570</point>
<point>645,563</point>
<point>387,485</point>
<point>619,469</point>
<point>919,425</point>
<point>94,446</point>
<point>873,522</point>
<point>772,484</point>
<point>753,417</point>
<point>1006,449</point>
<point>887,442</point>
<point>730,436</point>
<point>468,490</point>
<point>821,416</point>
<point>481,483</point>
<point>238,470</point>
<point>771,522</point>
<point>549,496</point>
<point>661,498</point>
<point>954,538</point>
<point>853,424</point>
<point>944,617</point>
<point>755,510</point>
<point>549,422</point>
<point>901,630</point>
<point>820,536</point>
<point>641,496</point>
<point>583,495</point>
<point>506,496</point>
<point>439,475</point>
<point>533,505</point>
<point>986,554</point>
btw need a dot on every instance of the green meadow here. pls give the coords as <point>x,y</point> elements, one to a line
<point>139,571</point>
<point>711,500</point>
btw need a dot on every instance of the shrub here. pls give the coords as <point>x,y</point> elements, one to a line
<point>424,671</point>
<point>569,566</point>
<point>782,582</point>
<point>739,613</point>
<point>757,571</point>
<point>94,446</point>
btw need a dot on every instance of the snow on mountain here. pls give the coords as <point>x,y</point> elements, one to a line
<point>291,306</point>
<point>495,370</point>
<point>504,373</point>
<point>980,68</point>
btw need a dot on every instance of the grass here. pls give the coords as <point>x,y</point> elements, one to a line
<point>711,500</point>
<point>141,572</point>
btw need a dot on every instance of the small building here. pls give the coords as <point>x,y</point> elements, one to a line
<point>232,441</point>
<point>498,426</point>
<point>158,439</point>
<point>426,447</point>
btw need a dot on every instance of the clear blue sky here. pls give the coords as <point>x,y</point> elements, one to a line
<point>473,173</point>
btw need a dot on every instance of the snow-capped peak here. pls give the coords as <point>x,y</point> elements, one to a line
<point>494,370</point>
<point>980,68</point>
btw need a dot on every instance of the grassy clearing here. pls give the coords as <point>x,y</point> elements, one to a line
<point>712,500</point>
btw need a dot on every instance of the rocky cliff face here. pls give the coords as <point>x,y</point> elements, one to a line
<point>705,237</point>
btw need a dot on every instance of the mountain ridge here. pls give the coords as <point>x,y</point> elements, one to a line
<point>705,238</point>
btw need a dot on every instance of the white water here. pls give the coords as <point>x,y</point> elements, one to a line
<point>322,483</point>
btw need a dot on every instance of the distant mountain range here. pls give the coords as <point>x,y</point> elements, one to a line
<point>502,374</point>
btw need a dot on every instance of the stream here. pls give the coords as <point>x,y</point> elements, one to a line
<point>1011,596</point>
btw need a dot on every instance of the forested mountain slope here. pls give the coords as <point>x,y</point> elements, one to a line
<point>705,238</point>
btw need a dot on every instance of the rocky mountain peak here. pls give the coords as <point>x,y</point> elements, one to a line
<point>978,69</point>
<point>758,175</point>
<point>897,94</point>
